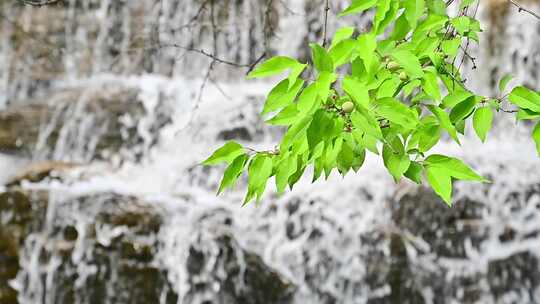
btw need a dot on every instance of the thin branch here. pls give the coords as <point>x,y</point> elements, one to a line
<point>208,54</point>
<point>39,2</point>
<point>325,29</point>
<point>523,9</point>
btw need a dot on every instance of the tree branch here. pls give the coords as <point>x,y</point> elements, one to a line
<point>523,9</point>
<point>325,29</point>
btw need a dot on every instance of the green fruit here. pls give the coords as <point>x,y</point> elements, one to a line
<point>393,66</point>
<point>403,76</point>
<point>347,107</point>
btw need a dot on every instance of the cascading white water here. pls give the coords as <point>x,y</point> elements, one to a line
<point>333,241</point>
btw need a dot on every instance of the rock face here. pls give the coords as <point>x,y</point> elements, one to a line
<point>436,246</point>
<point>102,248</point>
<point>246,278</point>
<point>80,125</point>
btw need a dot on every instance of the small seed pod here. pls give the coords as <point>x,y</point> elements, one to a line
<point>393,66</point>
<point>347,107</point>
<point>403,76</point>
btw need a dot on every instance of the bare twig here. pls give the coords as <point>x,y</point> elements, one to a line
<point>523,9</point>
<point>39,2</point>
<point>325,29</point>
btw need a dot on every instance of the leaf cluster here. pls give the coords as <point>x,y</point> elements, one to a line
<point>394,90</point>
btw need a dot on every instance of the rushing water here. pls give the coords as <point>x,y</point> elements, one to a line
<point>358,239</point>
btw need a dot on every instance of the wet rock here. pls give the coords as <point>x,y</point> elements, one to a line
<point>441,240</point>
<point>238,133</point>
<point>19,213</point>
<point>104,248</point>
<point>79,124</point>
<point>247,279</point>
<point>39,171</point>
<point>106,256</point>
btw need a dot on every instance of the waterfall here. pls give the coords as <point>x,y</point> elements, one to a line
<point>113,104</point>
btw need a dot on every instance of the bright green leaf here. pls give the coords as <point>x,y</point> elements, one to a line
<point>414,172</point>
<point>453,167</point>
<point>445,122</point>
<point>504,82</point>
<point>525,98</point>
<point>358,6</point>
<point>227,153</point>
<point>321,59</point>
<point>482,122</point>
<point>409,62</point>
<point>285,170</point>
<point>233,172</point>
<point>357,91</point>
<point>397,112</point>
<point>414,9</point>
<point>281,97</point>
<point>397,164</point>
<point>342,34</point>
<point>463,109</point>
<point>536,137</point>
<point>441,183</point>
<point>341,53</point>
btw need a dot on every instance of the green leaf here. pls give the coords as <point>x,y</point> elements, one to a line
<point>524,114</point>
<point>525,99</point>
<point>281,96</point>
<point>341,53</point>
<point>366,123</point>
<point>451,46</point>
<point>433,23</point>
<point>463,109</point>
<point>428,136</point>
<point>308,99</point>
<point>294,132</point>
<point>320,129</point>
<point>321,59</point>
<point>332,152</point>
<point>358,6</point>
<point>431,85</point>
<point>482,122</point>
<point>414,172</point>
<point>232,173</point>
<point>465,3</point>
<point>324,81</point>
<point>536,137</point>
<point>389,87</point>
<point>504,82</point>
<point>441,183</point>
<point>286,168</point>
<point>260,169</point>
<point>286,117</point>
<point>357,90</point>
<point>461,24</point>
<point>453,167</point>
<point>342,34</point>
<point>414,9</point>
<point>367,44</point>
<point>273,66</point>
<point>388,17</point>
<point>396,163</point>
<point>397,112</point>
<point>345,158</point>
<point>227,153</point>
<point>383,7</point>
<point>445,122</point>
<point>300,168</point>
<point>409,62</point>
<point>456,97</point>
<point>401,28</point>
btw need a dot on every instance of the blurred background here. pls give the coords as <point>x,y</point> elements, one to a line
<point>107,108</point>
